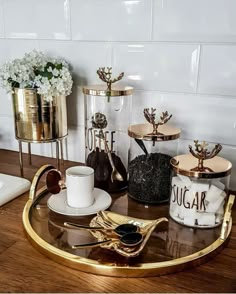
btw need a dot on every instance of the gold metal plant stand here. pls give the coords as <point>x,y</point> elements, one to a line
<point>39,120</point>
<point>59,153</point>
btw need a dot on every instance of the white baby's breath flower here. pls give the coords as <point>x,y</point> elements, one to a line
<point>50,76</point>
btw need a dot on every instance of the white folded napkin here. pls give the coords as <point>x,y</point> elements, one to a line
<point>11,187</point>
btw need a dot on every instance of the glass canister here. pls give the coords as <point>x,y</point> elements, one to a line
<point>200,184</point>
<point>107,116</point>
<point>152,146</point>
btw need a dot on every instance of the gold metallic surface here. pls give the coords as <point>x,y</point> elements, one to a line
<point>145,132</point>
<point>182,164</point>
<point>101,90</point>
<point>35,181</point>
<point>37,120</point>
<point>110,268</point>
<point>146,229</point>
<point>105,75</point>
<point>202,153</point>
<point>227,217</point>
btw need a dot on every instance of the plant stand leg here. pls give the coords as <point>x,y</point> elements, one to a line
<point>62,155</point>
<point>29,154</point>
<point>57,155</point>
<point>21,159</point>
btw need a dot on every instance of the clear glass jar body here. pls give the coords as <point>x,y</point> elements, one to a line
<point>198,202</point>
<point>112,138</point>
<point>150,173</point>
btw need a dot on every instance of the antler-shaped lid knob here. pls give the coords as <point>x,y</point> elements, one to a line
<point>105,76</point>
<point>201,153</point>
<point>151,118</point>
<point>117,90</point>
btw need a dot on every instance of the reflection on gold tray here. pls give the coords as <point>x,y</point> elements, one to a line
<point>171,247</point>
<point>146,227</point>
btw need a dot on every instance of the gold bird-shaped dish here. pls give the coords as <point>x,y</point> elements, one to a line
<point>110,220</point>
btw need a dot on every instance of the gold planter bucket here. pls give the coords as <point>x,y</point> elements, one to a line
<point>36,119</point>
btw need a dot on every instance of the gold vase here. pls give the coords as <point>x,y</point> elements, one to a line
<point>36,119</point>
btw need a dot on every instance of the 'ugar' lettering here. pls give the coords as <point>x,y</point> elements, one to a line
<point>179,196</point>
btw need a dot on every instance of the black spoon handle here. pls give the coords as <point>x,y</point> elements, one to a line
<point>141,145</point>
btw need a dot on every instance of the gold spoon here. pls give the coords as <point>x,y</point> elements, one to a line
<point>115,175</point>
<point>129,240</point>
<point>126,250</point>
<point>134,253</point>
<point>120,230</point>
<point>99,121</point>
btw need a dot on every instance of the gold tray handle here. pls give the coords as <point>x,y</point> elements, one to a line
<point>227,217</point>
<point>37,176</point>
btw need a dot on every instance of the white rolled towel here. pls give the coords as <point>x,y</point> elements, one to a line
<point>12,187</point>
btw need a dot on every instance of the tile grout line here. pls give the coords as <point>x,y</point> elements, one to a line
<point>152,19</point>
<point>183,42</point>
<point>4,19</point>
<point>70,27</point>
<point>198,68</point>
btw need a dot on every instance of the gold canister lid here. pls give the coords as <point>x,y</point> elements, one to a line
<point>202,163</point>
<point>155,130</point>
<point>102,90</point>
<point>109,89</point>
<point>145,132</point>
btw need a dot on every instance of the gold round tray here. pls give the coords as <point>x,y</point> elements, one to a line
<point>171,248</point>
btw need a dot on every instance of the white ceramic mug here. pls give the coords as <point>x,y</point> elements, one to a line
<point>80,186</point>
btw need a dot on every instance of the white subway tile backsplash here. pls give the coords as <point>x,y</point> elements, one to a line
<point>179,56</point>
<point>111,20</point>
<point>32,19</point>
<point>194,20</point>
<point>85,58</point>
<point>218,70</point>
<point>200,117</point>
<point>145,99</point>
<point>75,107</point>
<point>6,108</point>
<point>158,66</point>
<point>1,19</point>
<point>7,134</point>
<point>11,49</point>
<point>75,144</point>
